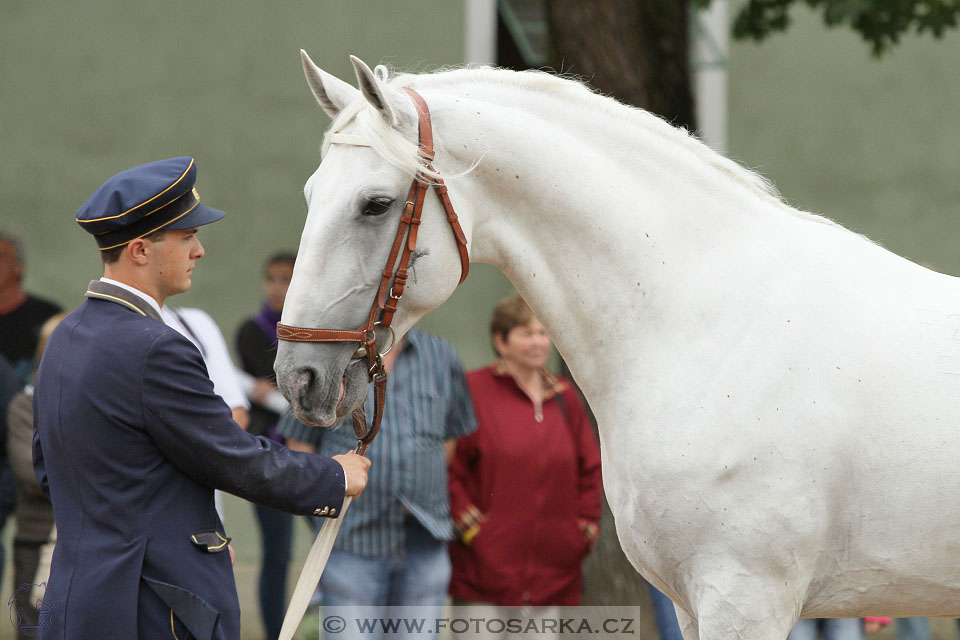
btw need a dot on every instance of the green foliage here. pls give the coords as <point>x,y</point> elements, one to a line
<point>880,22</point>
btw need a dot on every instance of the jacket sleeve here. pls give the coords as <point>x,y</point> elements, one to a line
<point>462,481</point>
<point>588,459</point>
<point>39,466</point>
<point>193,428</point>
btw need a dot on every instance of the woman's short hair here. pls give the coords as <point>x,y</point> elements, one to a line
<point>509,313</point>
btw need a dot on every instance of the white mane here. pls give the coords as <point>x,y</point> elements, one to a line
<point>400,152</point>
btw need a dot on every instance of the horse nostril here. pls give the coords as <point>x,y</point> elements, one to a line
<point>304,379</point>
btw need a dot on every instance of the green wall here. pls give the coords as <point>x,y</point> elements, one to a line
<point>873,144</point>
<point>93,87</point>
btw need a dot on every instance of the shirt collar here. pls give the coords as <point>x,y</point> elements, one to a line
<point>140,294</point>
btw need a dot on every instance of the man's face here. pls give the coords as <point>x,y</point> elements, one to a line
<point>11,270</point>
<point>173,260</point>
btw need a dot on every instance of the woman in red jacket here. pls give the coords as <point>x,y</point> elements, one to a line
<point>525,486</point>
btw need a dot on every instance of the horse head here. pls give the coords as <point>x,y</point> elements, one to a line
<point>355,200</point>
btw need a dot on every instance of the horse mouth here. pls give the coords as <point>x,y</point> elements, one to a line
<point>343,392</point>
<point>317,400</point>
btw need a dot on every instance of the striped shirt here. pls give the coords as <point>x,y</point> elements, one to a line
<point>427,404</point>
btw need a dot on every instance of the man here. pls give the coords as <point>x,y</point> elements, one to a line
<point>21,314</point>
<point>132,441</point>
<point>392,548</point>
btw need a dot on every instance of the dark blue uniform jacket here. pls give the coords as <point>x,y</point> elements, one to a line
<point>131,441</point>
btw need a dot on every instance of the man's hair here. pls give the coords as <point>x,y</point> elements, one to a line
<point>14,241</point>
<point>509,313</point>
<point>281,257</point>
<point>110,256</point>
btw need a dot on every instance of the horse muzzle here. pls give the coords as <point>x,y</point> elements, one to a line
<point>322,382</point>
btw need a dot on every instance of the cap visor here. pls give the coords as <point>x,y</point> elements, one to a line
<point>200,216</point>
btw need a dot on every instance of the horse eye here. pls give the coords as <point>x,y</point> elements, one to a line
<point>377,206</point>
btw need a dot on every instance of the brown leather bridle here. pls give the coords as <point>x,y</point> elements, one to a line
<point>392,281</point>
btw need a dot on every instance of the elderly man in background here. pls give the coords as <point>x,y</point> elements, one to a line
<point>21,314</point>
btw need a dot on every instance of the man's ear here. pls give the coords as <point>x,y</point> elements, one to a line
<point>138,250</point>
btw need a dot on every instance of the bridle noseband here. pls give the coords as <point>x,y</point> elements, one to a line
<point>393,278</point>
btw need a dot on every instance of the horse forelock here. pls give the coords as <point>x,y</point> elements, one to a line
<point>395,148</point>
<point>389,143</point>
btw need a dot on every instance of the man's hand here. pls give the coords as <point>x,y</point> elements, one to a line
<point>355,469</point>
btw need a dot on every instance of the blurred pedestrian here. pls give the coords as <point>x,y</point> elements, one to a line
<point>257,348</point>
<point>33,513</point>
<point>836,628</point>
<point>913,629</point>
<point>525,487</point>
<point>21,314</point>
<point>391,550</point>
<point>10,385</point>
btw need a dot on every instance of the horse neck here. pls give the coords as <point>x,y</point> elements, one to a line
<point>603,228</point>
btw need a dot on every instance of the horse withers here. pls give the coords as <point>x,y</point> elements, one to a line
<point>778,398</point>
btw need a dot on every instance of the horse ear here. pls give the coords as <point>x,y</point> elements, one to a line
<point>332,93</point>
<point>384,98</point>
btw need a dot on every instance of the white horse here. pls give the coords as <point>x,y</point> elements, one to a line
<point>778,398</point>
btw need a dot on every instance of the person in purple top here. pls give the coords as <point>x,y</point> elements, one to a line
<point>257,348</point>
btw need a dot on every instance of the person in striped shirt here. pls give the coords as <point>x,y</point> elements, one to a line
<point>391,549</point>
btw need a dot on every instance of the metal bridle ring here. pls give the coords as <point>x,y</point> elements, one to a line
<point>393,338</point>
<point>361,351</point>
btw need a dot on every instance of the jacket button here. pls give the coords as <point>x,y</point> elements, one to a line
<point>321,512</point>
<point>333,511</point>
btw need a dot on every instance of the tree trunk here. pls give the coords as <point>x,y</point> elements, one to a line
<point>633,50</point>
<point>636,51</point>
